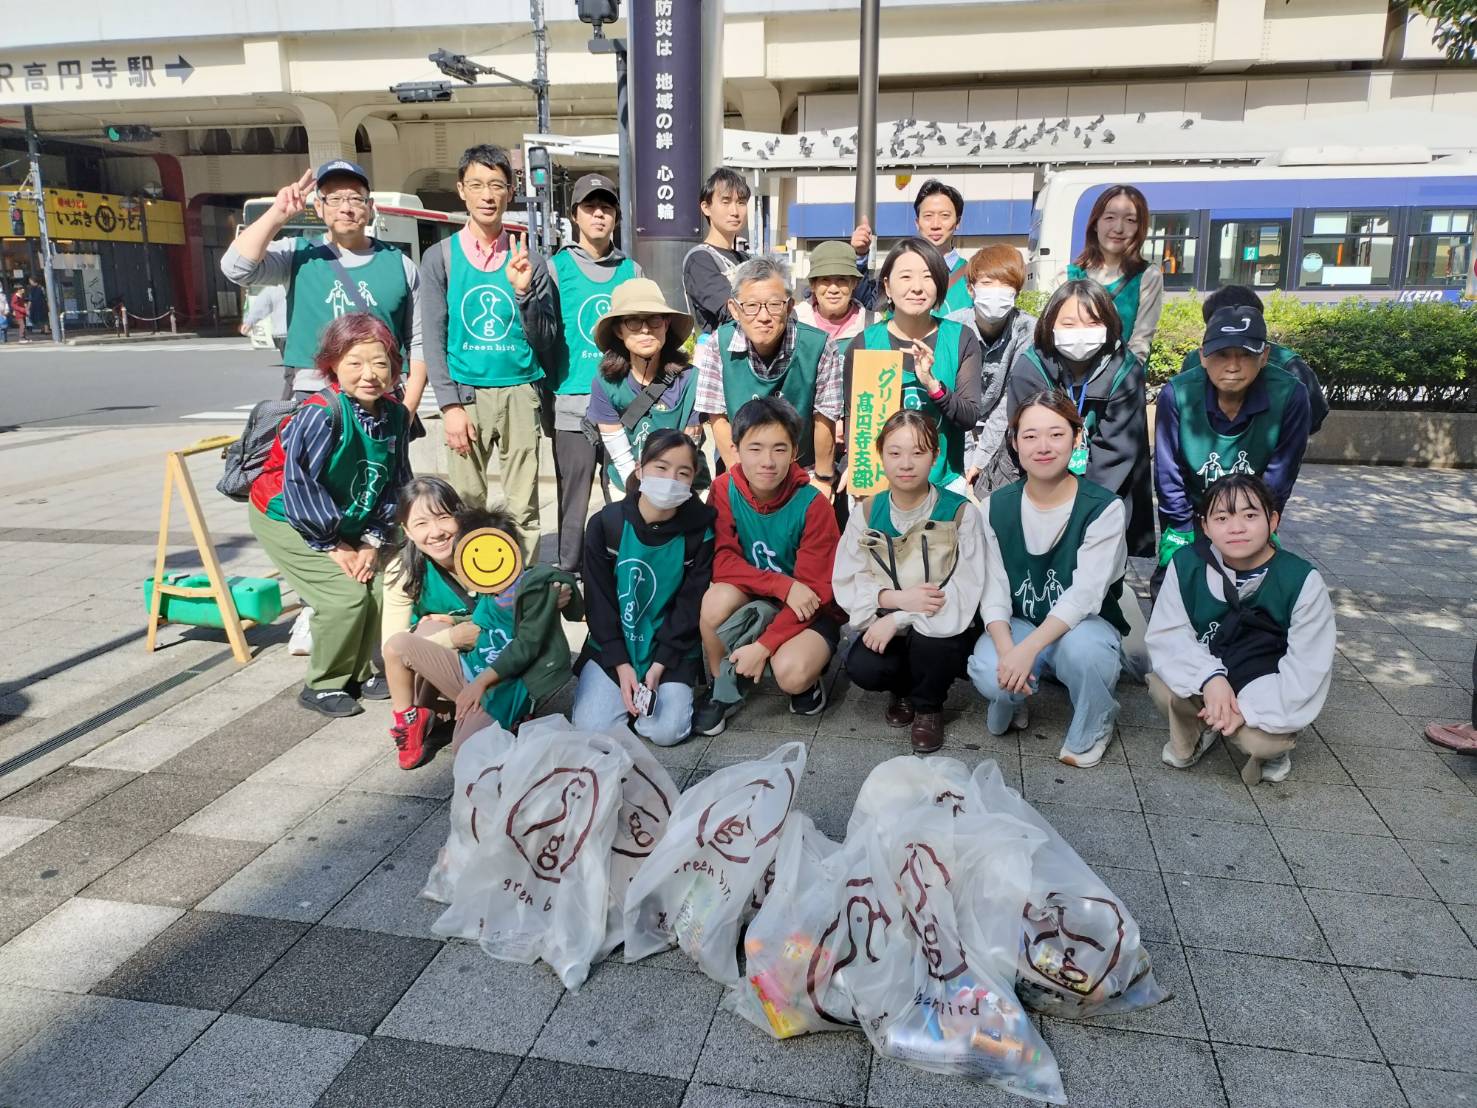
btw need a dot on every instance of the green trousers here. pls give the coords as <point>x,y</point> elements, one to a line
<point>506,420</point>
<point>346,613</point>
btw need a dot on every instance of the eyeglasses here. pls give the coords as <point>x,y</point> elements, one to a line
<point>750,308</point>
<point>477,188</point>
<point>350,200</point>
<point>644,322</point>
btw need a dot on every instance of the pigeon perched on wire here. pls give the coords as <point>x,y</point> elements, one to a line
<point>1187,124</point>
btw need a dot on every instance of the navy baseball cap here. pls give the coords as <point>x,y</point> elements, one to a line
<point>1235,327</point>
<point>340,168</point>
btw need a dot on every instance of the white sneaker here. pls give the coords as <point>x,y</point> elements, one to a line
<point>1208,737</point>
<point>1276,769</point>
<point>1089,757</point>
<point>300,641</point>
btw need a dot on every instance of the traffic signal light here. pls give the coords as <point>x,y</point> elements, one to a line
<point>598,11</point>
<point>128,132</point>
<point>422,92</point>
<point>539,166</point>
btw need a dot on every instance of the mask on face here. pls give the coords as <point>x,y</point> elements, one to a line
<point>665,493</point>
<point>993,304</point>
<point>1077,344</point>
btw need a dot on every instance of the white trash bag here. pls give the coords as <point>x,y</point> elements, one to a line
<point>537,885</point>
<point>1079,952</point>
<point>897,787</point>
<point>477,769</point>
<point>932,999</point>
<point>695,887</point>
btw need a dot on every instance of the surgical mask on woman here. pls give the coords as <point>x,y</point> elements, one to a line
<point>1077,344</point>
<point>665,493</point>
<point>993,303</point>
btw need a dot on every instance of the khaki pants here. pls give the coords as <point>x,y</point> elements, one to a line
<point>507,420</point>
<point>1185,726</point>
<point>441,667</point>
<point>346,613</point>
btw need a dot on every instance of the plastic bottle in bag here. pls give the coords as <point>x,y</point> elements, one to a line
<point>478,766</point>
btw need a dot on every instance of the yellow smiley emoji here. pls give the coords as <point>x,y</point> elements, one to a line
<point>488,560</point>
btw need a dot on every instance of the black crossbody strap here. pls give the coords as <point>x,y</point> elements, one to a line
<point>648,396</point>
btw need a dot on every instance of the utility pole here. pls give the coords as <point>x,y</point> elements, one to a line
<point>143,218</point>
<point>541,95</point>
<point>866,120</point>
<point>711,52</point>
<point>33,146</point>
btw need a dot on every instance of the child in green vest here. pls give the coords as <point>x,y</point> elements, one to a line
<point>1242,638</point>
<point>423,596</point>
<point>776,542</point>
<point>1055,574</point>
<point>910,575</point>
<point>323,506</point>
<point>1112,255</point>
<point>648,561</point>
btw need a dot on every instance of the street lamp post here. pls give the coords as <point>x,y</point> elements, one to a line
<point>142,204</point>
<point>33,148</point>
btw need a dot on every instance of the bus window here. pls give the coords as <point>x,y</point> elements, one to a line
<point>1441,248</point>
<point>1171,245</point>
<point>432,233</point>
<point>1249,252</point>
<point>1346,248</point>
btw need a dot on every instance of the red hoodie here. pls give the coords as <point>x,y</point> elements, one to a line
<point>814,561</point>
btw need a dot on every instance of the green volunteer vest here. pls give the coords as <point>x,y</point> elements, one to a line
<point>1125,294</point>
<point>950,462</point>
<point>358,469</point>
<point>646,580</point>
<point>1276,596</point>
<point>316,296</point>
<point>770,541</point>
<point>507,701</point>
<point>1037,581</point>
<point>621,396</point>
<point>957,296</point>
<point>1206,455</point>
<point>582,303</point>
<point>797,384</point>
<point>1078,464</point>
<point>485,343</point>
<point>944,511</point>
<point>438,597</point>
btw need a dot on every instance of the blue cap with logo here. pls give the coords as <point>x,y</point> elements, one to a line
<point>338,167</point>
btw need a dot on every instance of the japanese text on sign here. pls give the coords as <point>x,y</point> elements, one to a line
<point>664,51</point>
<point>875,395</point>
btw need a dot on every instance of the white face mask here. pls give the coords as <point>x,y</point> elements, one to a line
<point>665,493</point>
<point>993,304</point>
<point>1077,344</point>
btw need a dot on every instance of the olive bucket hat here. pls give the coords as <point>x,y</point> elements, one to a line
<point>639,296</point>
<point>833,259</point>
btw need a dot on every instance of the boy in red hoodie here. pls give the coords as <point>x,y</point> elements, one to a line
<point>776,539</point>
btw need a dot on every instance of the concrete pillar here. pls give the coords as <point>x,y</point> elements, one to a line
<point>325,136</point>
<point>386,163</point>
<point>1239,28</point>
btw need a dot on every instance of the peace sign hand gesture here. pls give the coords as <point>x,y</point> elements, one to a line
<point>923,365</point>
<point>519,265</point>
<point>292,199</point>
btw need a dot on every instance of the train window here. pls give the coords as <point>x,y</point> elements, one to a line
<point>1441,248</point>
<point>1249,252</point>
<point>1346,248</point>
<point>1171,245</point>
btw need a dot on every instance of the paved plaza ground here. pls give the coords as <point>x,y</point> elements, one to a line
<point>208,896</point>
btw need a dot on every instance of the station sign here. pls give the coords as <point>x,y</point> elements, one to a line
<point>127,72</point>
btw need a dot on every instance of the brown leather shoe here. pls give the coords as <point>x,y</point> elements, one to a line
<point>899,712</point>
<point>928,732</point>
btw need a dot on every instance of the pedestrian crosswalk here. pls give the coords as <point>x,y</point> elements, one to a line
<point>235,415</point>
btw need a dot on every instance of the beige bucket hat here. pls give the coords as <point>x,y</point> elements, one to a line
<point>639,296</point>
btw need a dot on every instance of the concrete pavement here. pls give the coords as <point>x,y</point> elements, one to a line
<point>208,895</point>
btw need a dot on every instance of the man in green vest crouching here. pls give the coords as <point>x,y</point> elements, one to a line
<point>490,328</point>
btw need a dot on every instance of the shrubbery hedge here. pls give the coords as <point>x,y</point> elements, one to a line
<point>1379,355</point>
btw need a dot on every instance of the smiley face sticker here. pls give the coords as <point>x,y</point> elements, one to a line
<point>488,560</point>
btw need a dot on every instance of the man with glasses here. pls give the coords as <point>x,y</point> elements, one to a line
<point>344,271</point>
<point>769,352</point>
<point>491,326</point>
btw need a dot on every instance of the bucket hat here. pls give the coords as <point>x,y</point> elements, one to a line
<point>639,296</point>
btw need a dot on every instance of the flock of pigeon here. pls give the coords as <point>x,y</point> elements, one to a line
<point>913,139</point>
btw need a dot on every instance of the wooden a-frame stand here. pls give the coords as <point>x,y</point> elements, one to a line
<point>177,475</point>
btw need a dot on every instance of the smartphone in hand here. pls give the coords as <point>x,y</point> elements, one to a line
<point>644,700</point>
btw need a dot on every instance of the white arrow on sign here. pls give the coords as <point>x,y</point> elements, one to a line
<point>180,68</point>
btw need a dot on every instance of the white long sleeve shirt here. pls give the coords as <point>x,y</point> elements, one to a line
<point>1279,703</point>
<point>1101,560</point>
<point>857,579</point>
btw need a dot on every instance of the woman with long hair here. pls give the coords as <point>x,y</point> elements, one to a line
<point>1112,255</point>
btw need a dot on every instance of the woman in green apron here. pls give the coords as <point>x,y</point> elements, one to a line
<point>941,357</point>
<point>648,561</point>
<point>645,381</point>
<point>1112,255</point>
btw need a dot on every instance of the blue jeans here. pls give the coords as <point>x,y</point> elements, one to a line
<point>598,707</point>
<point>1087,659</point>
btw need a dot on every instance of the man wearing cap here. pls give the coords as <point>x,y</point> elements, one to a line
<point>585,275</point>
<point>1233,413</point>
<point>831,304</point>
<point>492,328</point>
<point>344,271</point>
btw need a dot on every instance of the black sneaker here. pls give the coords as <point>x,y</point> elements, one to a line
<point>376,688</point>
<point>329,702</point>
<point>812,702</point>
<point>711,716</point>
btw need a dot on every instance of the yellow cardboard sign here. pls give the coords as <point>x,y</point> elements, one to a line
<point>876,392</point>
<point>99,217</point>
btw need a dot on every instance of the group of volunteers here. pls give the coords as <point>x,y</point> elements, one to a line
<point>1019,478</point>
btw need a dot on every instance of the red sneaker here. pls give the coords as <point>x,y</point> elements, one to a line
<point>409,732</point>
